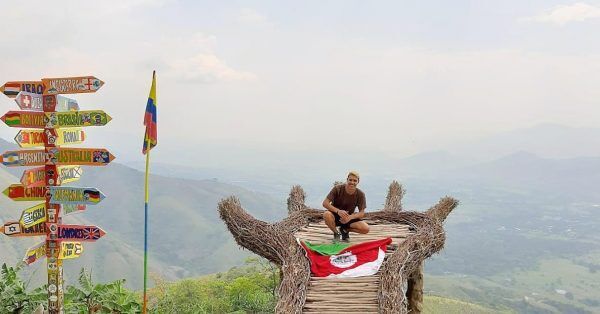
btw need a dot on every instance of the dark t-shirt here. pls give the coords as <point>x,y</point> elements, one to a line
<point>342,200</point>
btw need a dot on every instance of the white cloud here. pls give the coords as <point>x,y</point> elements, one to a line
<point>207,68</point>
<point>563,14</point>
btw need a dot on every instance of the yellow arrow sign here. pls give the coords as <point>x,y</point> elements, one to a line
<point>35,253</point>
<point>70,250</point>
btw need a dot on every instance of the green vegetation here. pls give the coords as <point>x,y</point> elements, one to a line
<point>88,298</point>
<point>436,304</point>
<point>247,289</point>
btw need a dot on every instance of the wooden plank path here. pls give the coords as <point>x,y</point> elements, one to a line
<point>359,295</point>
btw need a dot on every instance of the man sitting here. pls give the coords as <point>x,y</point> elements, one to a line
<point>341,203</point>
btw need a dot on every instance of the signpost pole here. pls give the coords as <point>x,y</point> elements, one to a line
<point>55,270</point>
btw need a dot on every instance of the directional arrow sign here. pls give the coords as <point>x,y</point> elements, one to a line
<point>77,232</point>
<point>18,192</point>
<point>12,89</point>
<point>68,209</point>
<point>35,253</point>
<point>40,120</point>
<point>57,156</point>
<point>37,176</point>
<point>75,195</point>
<point>77,118</point>
<point>71,85</point>
<point>14,229</point>
<point>35,138</point>
<point>24,119</point>
<point>33,215</point>
<point>69,249</point>
<point>33,102</point>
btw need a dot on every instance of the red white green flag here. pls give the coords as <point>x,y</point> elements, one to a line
<point>339,260</point>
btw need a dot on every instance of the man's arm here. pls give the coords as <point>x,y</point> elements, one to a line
<point>327,204</point>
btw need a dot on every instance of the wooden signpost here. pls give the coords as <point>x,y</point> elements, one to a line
<point>56,121</point>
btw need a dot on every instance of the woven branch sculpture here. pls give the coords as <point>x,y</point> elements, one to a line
<point>276,242</point>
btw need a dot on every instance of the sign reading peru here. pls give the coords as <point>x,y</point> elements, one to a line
<point>71,85</point>
<point>36,138</point>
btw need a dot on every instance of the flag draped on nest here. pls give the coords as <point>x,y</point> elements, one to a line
<point>341,260</point>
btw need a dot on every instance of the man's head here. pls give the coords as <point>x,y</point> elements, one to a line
<point>352,179</point>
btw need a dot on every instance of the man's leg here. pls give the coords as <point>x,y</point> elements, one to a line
<point>359,227</point>
<point>329,218</point>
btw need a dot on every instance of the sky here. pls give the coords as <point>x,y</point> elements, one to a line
<point>397,77</point>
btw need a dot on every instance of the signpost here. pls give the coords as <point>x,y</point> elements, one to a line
<point>56,120</point>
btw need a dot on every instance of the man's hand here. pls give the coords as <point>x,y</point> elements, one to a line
<point>344,216</point>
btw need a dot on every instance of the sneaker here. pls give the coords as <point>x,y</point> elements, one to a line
<point>336,237</point>
<point>345,234</point>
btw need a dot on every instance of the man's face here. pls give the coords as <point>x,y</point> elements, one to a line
<point>352,181</point>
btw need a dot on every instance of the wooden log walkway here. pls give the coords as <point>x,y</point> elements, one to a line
<point>358,295</point>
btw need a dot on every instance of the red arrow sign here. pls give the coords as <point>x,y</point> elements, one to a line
<point>71,85</point>
<point>74,232</point>
<point>12,89</point>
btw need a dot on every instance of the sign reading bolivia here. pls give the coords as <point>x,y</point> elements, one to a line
<point>37,176</point>
<point>12,89</point>
<point>74,195</point>
<point>57,156</point>
<point>14,229</point>
<point>35,138</point>
<point>69,249</point>
<point>33,215</point>
<point>35,253</point>
<point>78,232</point>
<point>33,102</point>
<point>40,120</point>
<point>71,85</point>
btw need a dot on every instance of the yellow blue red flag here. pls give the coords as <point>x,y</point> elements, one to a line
<point>150,139</point>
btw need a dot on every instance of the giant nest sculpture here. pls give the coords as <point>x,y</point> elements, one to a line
<point>397,288</point>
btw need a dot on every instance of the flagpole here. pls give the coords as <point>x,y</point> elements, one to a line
<point>145,303</point>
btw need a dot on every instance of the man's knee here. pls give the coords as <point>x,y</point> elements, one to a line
<point>363,228</point>
<point>328,216</point>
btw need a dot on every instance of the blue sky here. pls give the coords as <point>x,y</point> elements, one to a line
<point>389,76</point>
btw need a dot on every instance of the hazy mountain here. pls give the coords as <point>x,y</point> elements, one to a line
<point>186,236</point>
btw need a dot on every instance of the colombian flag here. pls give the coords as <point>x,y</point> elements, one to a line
<point>150,118</point>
